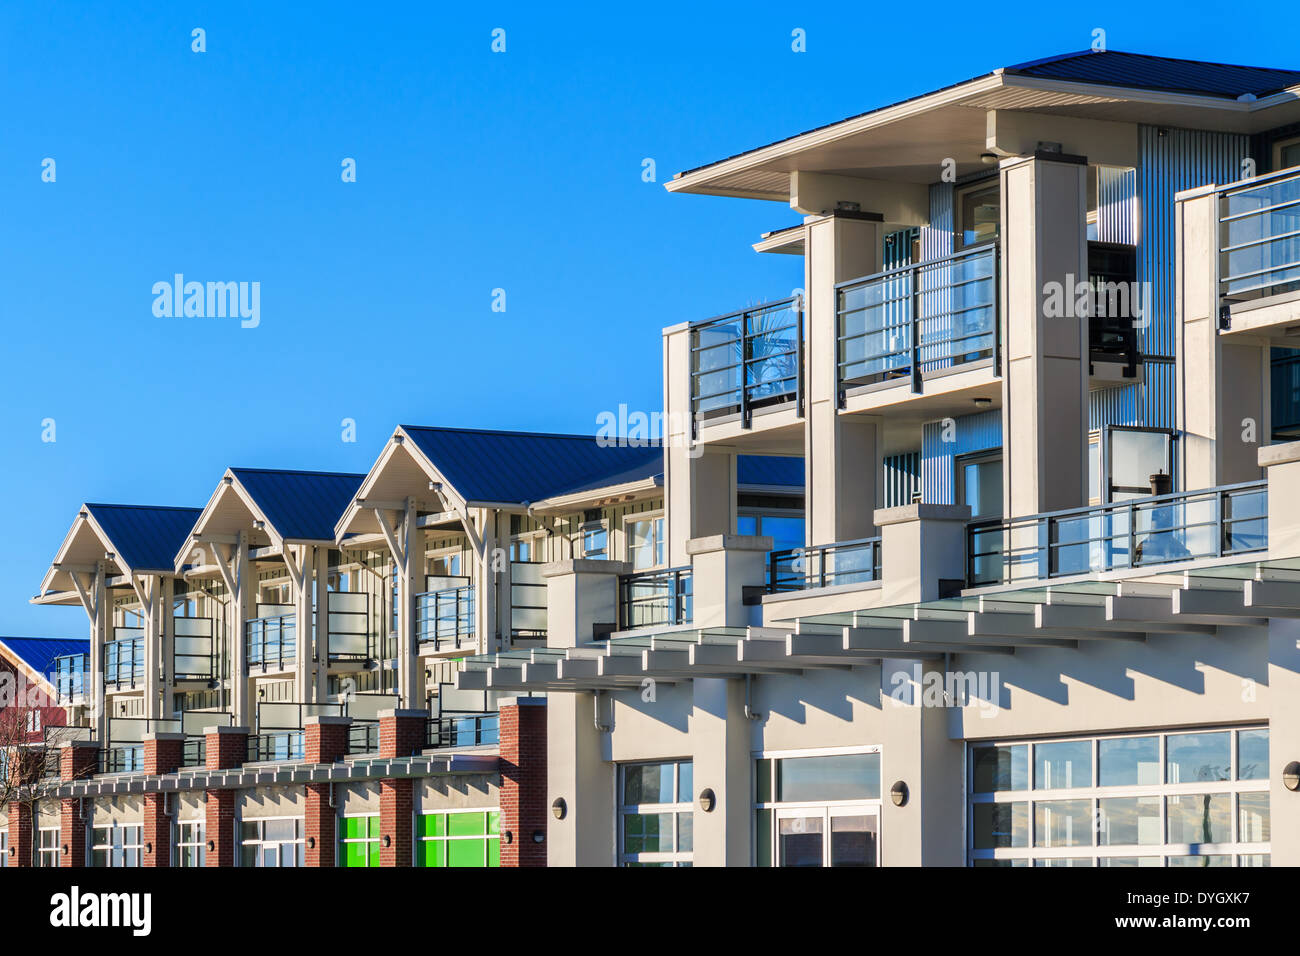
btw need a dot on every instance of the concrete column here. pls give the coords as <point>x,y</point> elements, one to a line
<point>98,635</point>
<point>167,590</point>
<point>580,595</point>
<point>723,567</point>
<point>1045,364</point>
<point>487,617</point>
<point>153,642</point>
<point>306,623</point>
<point>922,551</point>
<point>1224,390</point>
<point>409,569</point>
<point>241,606</point>
<point>319,677</point>
<point>841,454</point>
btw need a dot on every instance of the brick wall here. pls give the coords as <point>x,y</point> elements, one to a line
<point>402,732</point>
<point>396,805</point>
<point>72,832</point>
<point>157,831</point>
<point>219,827</point>
<point>522,759</point>
<point>228,748</point>
<point>20,834</point>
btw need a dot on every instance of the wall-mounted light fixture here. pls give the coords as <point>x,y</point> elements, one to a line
<point>988,159</point>
<point>148,849</point>
<point>707,800</point>
<point>508,837</point>
<point>311,843</point>
<point>539,836</point>
<point>559,808</point>
<point>898,793</point>
<point>212,846</point>
<point>388,841</point>
<point>1291,775</point>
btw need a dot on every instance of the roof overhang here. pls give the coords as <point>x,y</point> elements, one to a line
<point>907,142</point>
<point>401,472</point>
<point>622,493</point>
<point>84,546</point>
<point>230,511</point>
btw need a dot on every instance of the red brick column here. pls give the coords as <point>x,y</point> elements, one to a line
<point>20,833</point>
<point>227,750</point>
<point>162,755</point>
<point>402,733</point>
<point>78,760</point>
<point>522,759</point>
<point>325,740</point>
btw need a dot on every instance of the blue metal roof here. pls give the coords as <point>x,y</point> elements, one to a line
<point>39,653</point>
<point>303,505</point>
<point>523,467</point>
<point>769,470</point>
<point>1114,68</point>
<point>145,537</point>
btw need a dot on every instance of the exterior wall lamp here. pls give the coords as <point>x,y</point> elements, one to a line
<point>1291,775</point>
<point>708,800</point>
<point>559,809</point>
<point>898,793</point>
<point>539,836</point>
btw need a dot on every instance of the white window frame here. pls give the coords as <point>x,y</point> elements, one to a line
<point>678,808</point>
<point>342,841</point>
<point>47,855</point>
<point>1280,145</point>
<point>119,835</point>
<point>299,841</point>
<point>660,541</point>
<point>1095,851</point>
<point>4,848</point>
<point>180,843</point>
<point>447,838</point>
<point>587,528</point>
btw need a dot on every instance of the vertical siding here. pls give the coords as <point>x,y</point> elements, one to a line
<point>937,237</point>
<point>972,433</point>
<point>902,477</point>
<point>1116,204</point>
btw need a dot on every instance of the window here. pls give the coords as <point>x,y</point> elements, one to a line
<point>465,838</point>
<point>277,841</point>
<point>816,810</point>
<point>521,549</point>
<point>595,542</point>
<point>785,530</point>
<point>4,848</point>
<point>444,565</point>
<point>47,847</point>
<point>655,814</point>
<point>979,484</point>
<point>1286,153</point>
<point>359,841</point>
<point>189,843</point>
<point>116,845</point>
<point>1177,799</point>
<point>33,721</point>
<point>645,542</point>
<point>979,210</point>
<point>1135,455</point>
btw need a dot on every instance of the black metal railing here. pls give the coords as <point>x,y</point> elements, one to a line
<point>276,745</point>
<point>271,642</point>
<point>194,751</point>
<point>654,598</point>
<point>748,360</point>
<point>844,562</point>
<point>1259,236</point>
<point>918,320</point>
<point>445,618</point>
<point>128,758</point>
<point>124,658</point>
<point>71,676</point>
<point>194,655</point>
<point>464,730</point>
<point>1141,532</point>
<point>527,600</point>
<point>363,736</point>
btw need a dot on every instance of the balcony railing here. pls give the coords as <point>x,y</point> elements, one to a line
<point>1259,236</point>
<point>349,626</point>
<point>194,751</point>
<point>527,600</point>
<point>71,677</point>
<point>275,745</point>
<point>654,598</point>
<point>748,360</point>
<point>126,758</point>
<point>844,562</point>
<point>1141,532</point>
<point>271,641</point>
<point>363,736</point>
<point>464,730</point>
<point>280,734</point>
<point>124,658</point>
<point>918,320</point>
<point>194,656</point>
<point>445,618</point>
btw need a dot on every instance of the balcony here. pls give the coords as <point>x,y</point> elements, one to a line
<point>124,658</point>
<point>1143,532</point>
<point>823,566</point>
<point>463,730</point>
<point>271,642</point>
<point>71,677</point>
<point>194,655</point>
<point>1259,237</point>
<point>350,638</point>
<point>527,601</point>
<point>445,619</point>
<point>912,324</point>
<point>654,599</point>
<point>747,361</point>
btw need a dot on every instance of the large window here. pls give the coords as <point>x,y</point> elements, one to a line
<point>1195,798</point>
<point>1286,153</point>
<point>595,541</point>
<point>277,841</point>
<point>189,843</point>
<point>979,484</point>
<point>47,847</point>
<point>979,211</point>
<point>655,814</point>
<point>645,542</point>
<point>465,838</point>
<point>359,841</point>
<point>817,809</point>
<point>115,845</point>
<point>785,530</point>
<point>1133,456</point>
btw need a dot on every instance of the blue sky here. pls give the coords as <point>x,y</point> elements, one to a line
<point>475,171</point>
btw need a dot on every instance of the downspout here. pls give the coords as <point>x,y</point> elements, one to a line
<point>595,713</point>
<point>750,713</point>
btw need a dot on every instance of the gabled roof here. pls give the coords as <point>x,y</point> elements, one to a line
<point>501,467</point>
<point>1140,71</point>
<point>299,505</point>
<point>144,537</point>
<point>38,653</point>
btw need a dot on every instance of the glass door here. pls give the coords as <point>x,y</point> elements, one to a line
<point>830,836</point>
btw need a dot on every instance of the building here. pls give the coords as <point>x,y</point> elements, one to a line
<point>980,549</point>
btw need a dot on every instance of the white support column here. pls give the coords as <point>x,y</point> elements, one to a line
<point>241,605</point>
<point>92,590</point>
<point>486,616</point>
<point>166,604</point>
<point>1224,391</point>
<point>841,453</point>
<point>406,544</point>
<point>1045,384</point>
<point>148,591</point>
<point>298,559</point>
<point>321,667</point>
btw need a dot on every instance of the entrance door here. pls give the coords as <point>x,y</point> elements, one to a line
<point>828,836</point>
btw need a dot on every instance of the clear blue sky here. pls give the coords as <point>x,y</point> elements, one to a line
<point>475,171</point>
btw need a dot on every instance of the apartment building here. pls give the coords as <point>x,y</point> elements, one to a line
<point>979,549</point>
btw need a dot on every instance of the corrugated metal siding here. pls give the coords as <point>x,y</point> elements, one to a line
<point>972,433</point>
<point>902,478</point>
<point>937,237</point>
<point>1116,204</point>
<point>1148,405</point>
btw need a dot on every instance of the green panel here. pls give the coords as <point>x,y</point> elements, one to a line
<point>494,853</point>
<point>466,852</point>
<point>374,827</point>
<point>494,822</point>
<point>433,824</point>
<point>374,851</point>
<point>354,854</point>
<point>354,828</point>
<point>466,824</point>
<point>432,853</point>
